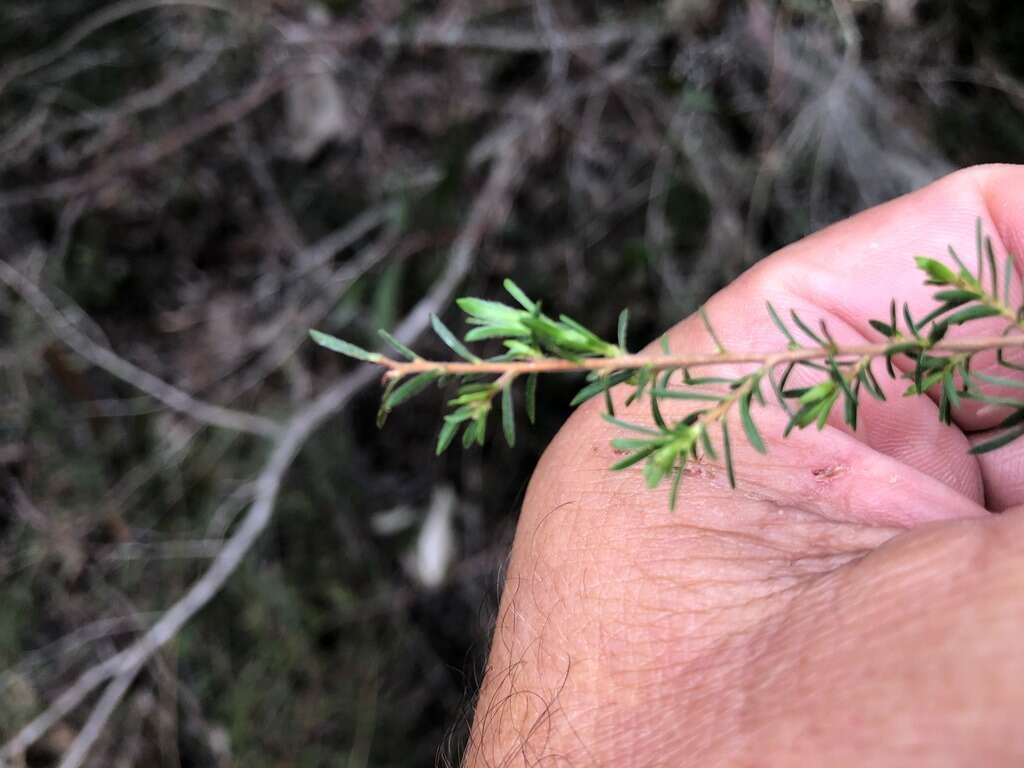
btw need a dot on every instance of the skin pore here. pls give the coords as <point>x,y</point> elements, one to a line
<point>854,601</point>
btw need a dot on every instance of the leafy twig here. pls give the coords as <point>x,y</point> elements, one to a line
<point>535,343</point>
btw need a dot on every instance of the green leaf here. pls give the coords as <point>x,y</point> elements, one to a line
<point>344,347</point>
<point>818,392</point>
<point>1004,439</point>
<point>630,426</point>
<point>882,328</point>
<point>709,449</point>
<point>807,331</point>
<point>531,398</point>
<point>599,385</point>
<point>956,296</point>
<point>653,471</point>
<point>409,389</point>
<point>911,325</point>
<point>399,346</point>
<point>496,332</point>
<point>491,311</point>
<point>516,293</point>
<point>972,313</point>
<point>727,450</point>
<point>449,338</point>
<point>748,425</point>
<point>719,347</point>
<point>824,408</point>
<point>1000,381</point>
<point>469,435</point>
<point>780,325</point>
<point>631,444</point>
<point>937,272</point>
<point>685,394</point>
<point>448,431</point>
<point>656,413</point>
<point>623,328</point>
<point>508,417</point>
<point>990,254</point>
<point>635,458</point>
<point>673,495</point>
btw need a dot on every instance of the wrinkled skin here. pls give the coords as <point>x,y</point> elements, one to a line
<point>853,602</point>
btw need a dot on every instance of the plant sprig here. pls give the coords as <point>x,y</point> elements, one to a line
<point>534,343</point>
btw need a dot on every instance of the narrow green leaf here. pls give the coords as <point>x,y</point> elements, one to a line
<point>490,311</point>
<point>1003,439</point>
<point>448,431</point>
<point>469,435</point>
<point>748,425</point>
<point>938,332</point>
<point>623,329</point>
<point>991,256</point>
<point>777,389</point>
<point>1000,381</point>
<point>344,347</point>
<point>673,496</point>
<point>818,392</point>
<point>685,394</point>
<point>957,295</point>
<point>398,346</point>
<point>727,451</point>
<point>719,347</point>
<point>496,332</point>
<point>459,415</point>
<point>656,413</point>
<point>937,271</point>
<point>841,380</point>
<point>807,331</point>
<point>516,293</point>
<point>882,328</point>
<point>630,426</point>
<point>825,408</point>
<point>949,388</point>
<point>635,458</point>
<point>508,416</point>
<point>449,338</point>
<point>972,313</point>
<point>709,449</point>
<point>409,389</point>
<point>780,325</point>
<point>653,470</point>
<point>956,260</point>
<point>911,325</point>
<point>531,398</point>
<point>600,385</point>
<point>631,444</point>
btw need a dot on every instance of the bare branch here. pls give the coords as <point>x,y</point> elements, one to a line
<point>487,211</point>
<point>100,356</point>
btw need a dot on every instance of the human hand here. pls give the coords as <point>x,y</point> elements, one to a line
<point>852,602</point>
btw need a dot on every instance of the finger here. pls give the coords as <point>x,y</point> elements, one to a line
<point>849,272</point>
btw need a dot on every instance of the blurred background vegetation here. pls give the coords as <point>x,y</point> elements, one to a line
<point>186,187</point>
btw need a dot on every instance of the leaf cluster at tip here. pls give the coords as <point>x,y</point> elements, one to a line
<point>814,381</point>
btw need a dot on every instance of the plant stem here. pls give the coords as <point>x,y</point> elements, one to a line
<point>768,360</point>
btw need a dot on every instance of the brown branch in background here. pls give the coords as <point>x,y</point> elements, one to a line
<point>171,396</point>
<point>122,668</point>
